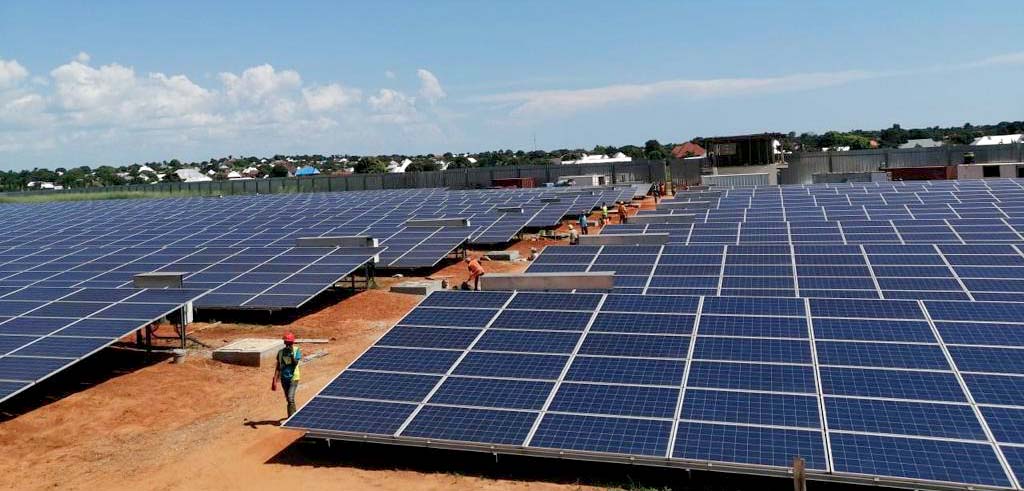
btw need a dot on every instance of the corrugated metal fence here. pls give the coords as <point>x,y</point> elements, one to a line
<point>479,177</point>
<point>802,166</point>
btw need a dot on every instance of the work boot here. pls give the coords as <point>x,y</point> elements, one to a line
<point>291,409</point>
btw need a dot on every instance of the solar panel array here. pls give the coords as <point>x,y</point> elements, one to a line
<point>993,272</point>
<point>44,330</point>
<point>909,392</point>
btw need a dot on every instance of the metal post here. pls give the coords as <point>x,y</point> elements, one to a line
<point>181,324</point>
<point>799,474</point>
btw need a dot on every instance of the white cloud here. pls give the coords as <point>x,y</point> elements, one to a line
<point>11,72</point>
<point>83,57</point>
<point>547,102</point>
<point>392,106</point>
<point>329,97</point>
<point>430,86</point>
<point>390,75</point>
<point>259,82</point>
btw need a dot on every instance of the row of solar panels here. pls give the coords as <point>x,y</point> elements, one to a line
<point>904,392</point>
<point>45,330</point>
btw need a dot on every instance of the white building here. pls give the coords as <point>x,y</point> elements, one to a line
<point>191,175</point>
<point>398,166</point>
<point>600,159</point>
<point>998,139</point>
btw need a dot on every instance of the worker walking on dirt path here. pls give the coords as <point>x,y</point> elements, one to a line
<point>475,271</point>
<point>621,208</point>
<point>583,223</point>
<point>574,236</point>
<point>287,370</point>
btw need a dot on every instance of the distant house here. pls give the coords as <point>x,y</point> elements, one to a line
<point>234,175</point>
<point>306,171</point>
<point>398,166</point>
<point>600,159</point>
<point>921,143</point>
<point>192,175</point>
<point>688,149</point>
<point>998,139</point>
<point>840,148</point>
<point>43,185</point>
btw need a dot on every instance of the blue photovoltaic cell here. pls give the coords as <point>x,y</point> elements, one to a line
<point>619,400</point>
<point>650,304</point>
<point>140,311</point>
<point>745,349</point>
<point>752,376</point>
<point>346,415</point>
<point>1007,424</point>
<point>385,386</point>
<point>903,418</point>
<point>865,309</point>
<point>975,311</point>
<point>33,326</point>
<point>425,316</point>
<point>542,319</point>
<point>480,300</point>
<point>11,343</point>
<point>1015,457</point>
<point>890,355</point>
<point>8,388</point>
<point>626,370</point>
<point>528,341</point>
<point>545,367</point>
<point>653,346</point>
<point>748,444</point>
<point>754,306</point>
<point>499,393</point>
<point>471,425</point>
<point>751,408</point>
<point>554,301</point>
<point>603,434</point>
<point>643,323</point>
<point>429,337</point>
<point>996,389</point>
<point>873,330</point>
<point>992,360</point>
<point>914,458</point>
<point>30,369</point>
<point>109,328</point>
<point>726,325</point>
<point>407,360</point>
<point>928,386</point>
<point>63,347</point>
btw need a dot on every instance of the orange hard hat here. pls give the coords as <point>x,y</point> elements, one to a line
<point>288,337</point>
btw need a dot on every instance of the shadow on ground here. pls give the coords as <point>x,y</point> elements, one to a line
<point>310,452</point>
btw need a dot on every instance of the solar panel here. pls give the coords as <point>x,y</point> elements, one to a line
<point>741,382</point>
<point>55,334</point>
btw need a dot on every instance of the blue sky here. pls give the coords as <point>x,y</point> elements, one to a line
<point>119,82</point>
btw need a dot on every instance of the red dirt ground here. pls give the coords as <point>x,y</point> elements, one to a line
<point>208,425</point>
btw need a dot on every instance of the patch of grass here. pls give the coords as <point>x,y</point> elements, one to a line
<point>54,197</point>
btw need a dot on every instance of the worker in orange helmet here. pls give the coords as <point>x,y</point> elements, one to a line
<point>475,271</point>
<point>287,370</point>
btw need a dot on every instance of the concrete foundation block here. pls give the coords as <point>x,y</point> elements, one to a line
<point>547,281</point>
<point>417,287</point>
<point>249,352</point>
<point>502,255</point>
<point>337,241</point>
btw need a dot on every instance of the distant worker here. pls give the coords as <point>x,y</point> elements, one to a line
<point>656,194</point>
<point>621,208</point>
<point>475,271</point>
<point>604,213</point>
<point>574,236</point>
<point>583,224</point>
<point>287,370</point>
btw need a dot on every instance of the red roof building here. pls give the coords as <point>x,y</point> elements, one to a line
<point>688,149</point>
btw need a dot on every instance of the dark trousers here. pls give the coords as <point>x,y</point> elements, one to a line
<point>288,386</point>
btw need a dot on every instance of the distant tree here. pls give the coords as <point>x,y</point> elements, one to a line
<point>371,165</point>
<point>422,164</point>
<point>172,177</point>
<point>460,162</point>
<point>653,150</point>
<point>278,170</point>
